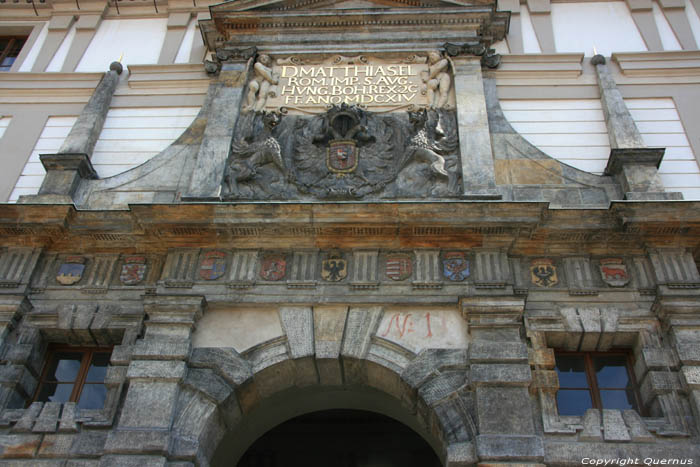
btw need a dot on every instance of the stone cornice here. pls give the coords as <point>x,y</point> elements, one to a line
<point>653,64</point>
<point>523,228</point>
<point>446,21</point>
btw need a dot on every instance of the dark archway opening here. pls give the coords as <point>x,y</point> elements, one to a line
<point>340,438</point>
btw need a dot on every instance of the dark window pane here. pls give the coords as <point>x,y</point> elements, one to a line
<point>98,368</point>
<point>571,371</point>
<point>611,371</point>
<point>573,402</point>
<point>52,392</point>
<point>64,366</point>
<point>93,396</point>
<point>616,399</point>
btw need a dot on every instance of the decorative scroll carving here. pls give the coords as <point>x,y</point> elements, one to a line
<point>489,57</point>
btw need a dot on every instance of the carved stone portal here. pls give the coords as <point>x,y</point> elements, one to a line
<point>345,153</point>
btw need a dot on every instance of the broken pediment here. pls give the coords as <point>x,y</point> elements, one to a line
<point>316,25</point>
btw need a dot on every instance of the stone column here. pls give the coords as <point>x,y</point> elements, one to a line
<point>208,175</point>
<point>71,163</point>
<point>634,165</point>
<point>500,374</point>
<point>156,372</point>
<point>474,137</point>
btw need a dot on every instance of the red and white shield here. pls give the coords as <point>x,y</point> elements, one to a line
<point>342,156</point>
<point>398,267</point>
<point>133,270</point>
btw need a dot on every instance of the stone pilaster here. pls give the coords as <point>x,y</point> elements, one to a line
<point>221,120</point>
<point>71,163</point>
<point>155,374</point>
<point>500,374</point>
<point>474,138</point>
<point>680,320</point>
<point>634,165</point>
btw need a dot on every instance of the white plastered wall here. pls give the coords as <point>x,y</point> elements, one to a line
<point>607,26</point>
<point>137,41</point>
<point>573,131</point>
<point>129,138</point>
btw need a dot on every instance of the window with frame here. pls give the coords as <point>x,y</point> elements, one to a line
<point>75,374</point>
<point>10,47</point>
<point>599,380</point>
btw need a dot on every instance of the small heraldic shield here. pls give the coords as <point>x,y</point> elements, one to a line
<point>273,268</point>
<point>543,272</point>
<point>342,156</point>
<point>71,271</point>
<point>455,266</point>
<point>213,265</point>
<point>334,268</point>
<point>398,267</point>
<point>133,270</point>
<point>614,272</point>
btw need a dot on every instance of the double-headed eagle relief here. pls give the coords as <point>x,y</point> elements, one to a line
<point>346,128</point>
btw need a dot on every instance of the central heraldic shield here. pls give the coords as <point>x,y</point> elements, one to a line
<point>342,156</point>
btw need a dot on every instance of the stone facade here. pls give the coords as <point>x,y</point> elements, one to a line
<point>237,290</point>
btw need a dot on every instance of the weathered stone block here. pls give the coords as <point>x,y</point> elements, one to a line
<point>503,448</point>
<point>137,442</point>
<point>690,376</point>
<point>442,386</point>
<point>614,428</point>
<point>160,349</point>
<point>500,374</point>
<point>592,429</point>
<point>156,370</point>
<point>211,385</point>
<point>461,454</point>
<point>298,325</point>
<point>19,445</point>
<point>158,396</point>
<point>504,410</point>
<point>132,461</point>
<point>497,352</point>
<point>637,428</point>
<point>47,420</point>
<point>689,353</point>
<point>226,362</point>
<point>429,361</point>
<point>658,382</point>
<point>546,380</point>
<point>329,323</point>
<point>360,326</point>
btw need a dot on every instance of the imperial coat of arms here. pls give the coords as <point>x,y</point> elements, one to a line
<point>543,272</point>
<point>614,272</point>
<point>334,268</point>
<point>213,265</point>
<point>342,156</point>
<point>71,271</point>
<point>455,266</point>
<point>273,268</point>
<point>398,267</point>
<point>133,270</point>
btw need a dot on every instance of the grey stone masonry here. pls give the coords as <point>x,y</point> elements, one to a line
<point>500,375</point>
<point>71,163</point>
<point>474,138</point>
<point>155,374</point>
<point>211,159</point>
<point>635,165</point>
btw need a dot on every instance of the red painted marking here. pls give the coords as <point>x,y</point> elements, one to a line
<point>427,319</point>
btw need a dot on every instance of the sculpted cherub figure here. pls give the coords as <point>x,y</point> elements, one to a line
<point>259,86</point>
<point>437,80</point>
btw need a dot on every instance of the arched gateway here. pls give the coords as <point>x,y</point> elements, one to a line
<point>305,359</point>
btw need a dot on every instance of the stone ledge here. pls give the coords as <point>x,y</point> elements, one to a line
<point>504,447</point>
